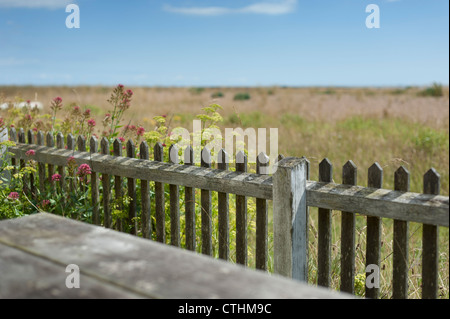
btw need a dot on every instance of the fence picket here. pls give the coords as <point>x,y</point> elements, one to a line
<point>118,190</point>
<point>30,137</point>
<point>26,188</point>
<point>13,138</point>
<point>241,215</point>
<point>206,213</point>
<point>106,183</point>
<point>93,148</point>
<point>262,218</point>
<point>41,166</point>
<point>160,215</point>
<point>349,177</point>
<point>174,195</point>
<point>146,220</point>
<point>430,240</point>
<point>189,204</point>
<point>373,248</point>
<point>61,169</point>
<point>50,142</point>
<point>400,242</point>
<point>223,210</point>
<point>131,153</point>
<point>71,143</point>
<point>324,240</point>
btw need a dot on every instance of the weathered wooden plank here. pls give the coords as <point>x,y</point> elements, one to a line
<point>348,222</point>
<point>131,264</point>
<point>241,215</point>
<point>223,161</point>
<point>131,186</point>
<point>324,237</point>
<point>93,148</point>
<point>413,207</point>
<point>146,220</point>
<point>401,242</point>
<point>373,247</point>
<point>430,241</point>
<point>262,218</point>
<point>106,183</point>
<point>174,195</point>
<point>206,206</point>
<point>27,276</point>
<point>289,219</point>
<point>160,214</point>
<point>189,205</point>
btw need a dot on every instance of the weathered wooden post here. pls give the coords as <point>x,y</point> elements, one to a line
<point>290,219</point>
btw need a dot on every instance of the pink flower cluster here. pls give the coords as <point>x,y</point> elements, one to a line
<point>84,170</point>
<point>13,196</point>
<point>30,153</point>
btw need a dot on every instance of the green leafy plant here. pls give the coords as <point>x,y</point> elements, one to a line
<point>241,96</point>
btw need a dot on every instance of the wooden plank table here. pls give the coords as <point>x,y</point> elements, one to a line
<point>35,251</point>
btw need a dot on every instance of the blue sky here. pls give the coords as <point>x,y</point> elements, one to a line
<point>224,43</point>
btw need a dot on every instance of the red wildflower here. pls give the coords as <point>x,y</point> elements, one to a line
<point>84,170</point>
<point>13,195</point>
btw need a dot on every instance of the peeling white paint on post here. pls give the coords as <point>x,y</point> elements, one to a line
<point>290,219</point>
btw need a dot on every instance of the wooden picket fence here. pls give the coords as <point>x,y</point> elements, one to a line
<point>289,188</point>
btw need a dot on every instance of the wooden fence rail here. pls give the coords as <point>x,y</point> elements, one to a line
<point>289,188</point>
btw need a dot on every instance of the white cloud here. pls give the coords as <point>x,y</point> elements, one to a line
<point>266,7</point>
<point>35,4</point>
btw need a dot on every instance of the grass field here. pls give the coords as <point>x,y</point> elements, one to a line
<point>391,126</point>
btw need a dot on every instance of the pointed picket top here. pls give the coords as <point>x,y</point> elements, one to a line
<point>432,182</point>
<point>13,134</point>
<point>93,144</point>
<point>50,141</point>
<point>241,162</point>
<point>401,179</point>
<point>21,136</point>
<point>174,158</point>
<point>325,171</point>
<point>40,138</point>
<point>104,146</point>
<point>117,147</point>
<point>131,148</point>
<point>30,137</point>
<point>60,140</point>
<point>375,179</point>
<point>349,173</point>
<point>262,164</point>
<point>308,166</point>
<point>189,156</point>
<point>158,152</point>
<point>206,158</point>
<point>223,160</point>
<point>81,143</point>
<point>70,142</point>
<point>144,153</point>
